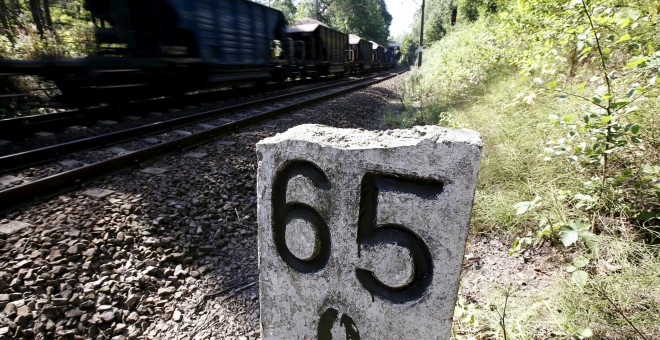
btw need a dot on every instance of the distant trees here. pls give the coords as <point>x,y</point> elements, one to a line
<point>286,6</point>
<point>438,21</point>
<point>366,18</point>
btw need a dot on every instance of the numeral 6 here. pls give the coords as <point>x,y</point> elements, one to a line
<point>284,212</point>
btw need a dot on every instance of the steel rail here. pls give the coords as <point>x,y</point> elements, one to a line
<point>21,126</point>
<point>46,187</point>
<point>42,155</point>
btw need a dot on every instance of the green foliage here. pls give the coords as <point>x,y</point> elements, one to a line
<point>469,9</point>
<point>608,48</point>
<point>453,69</point>
<point>409,45</point>
<point>287,7</point>
<point>434,30</point>
<point>367,18</point>
<point>613,297</point>
<point>570,148</point>
<point>71,35</point>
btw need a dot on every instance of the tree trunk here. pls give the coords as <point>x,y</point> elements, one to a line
<point>4,20</point>
<point>13,13</point>
<point>34,8</point>
<point>47,18</point>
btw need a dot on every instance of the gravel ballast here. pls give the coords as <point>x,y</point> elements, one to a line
<point>167,253</point>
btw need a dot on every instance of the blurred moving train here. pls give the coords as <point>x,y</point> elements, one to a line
<point>155,47</point>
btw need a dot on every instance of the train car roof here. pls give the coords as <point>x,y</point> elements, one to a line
<point>305,25</point>
<point>353,39</point>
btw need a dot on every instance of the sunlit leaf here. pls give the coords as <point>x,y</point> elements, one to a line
<point>601,90</point>
<point>568,237</point>
<point>583,332</point>
<point>580,225</point>
<point>636,62</point>
<point>580,278</point>
<point>580,261</point>
<point>591,241</point>
<point>570,268</point>
<point>586,50</point>
<point>625,22</point>
<point>623,38</point>
<point>521,207</point>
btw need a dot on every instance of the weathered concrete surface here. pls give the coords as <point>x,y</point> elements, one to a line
<point>396,205</point>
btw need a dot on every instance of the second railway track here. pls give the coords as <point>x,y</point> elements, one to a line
<point>216,123</point>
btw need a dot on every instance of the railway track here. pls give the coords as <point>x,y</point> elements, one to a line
<point>153,254</point>
<point>141,144</point>
<point>18,127</point>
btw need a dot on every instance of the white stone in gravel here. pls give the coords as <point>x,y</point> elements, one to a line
<point>108,316</point>
<point>107,122</point>
<point>154,171</point>
<point>13,227</point>
<point>117,150</point>
<point>182,133</point>
<point>102,308</point>
<point>151,140</point>
<point>71,163</point>
<point>76,128</point>
<point>98,192</point>
<point>196,154</point>
<point>74,313</point>
<point>119,328</point>
<point>134,316</point>
<point>176,316</point>
<point>44,135</point>
<point>4,331</point>
<point>23,264</point>
<point>362,233</point>
<point>131,300</point>
<point>10,180</point>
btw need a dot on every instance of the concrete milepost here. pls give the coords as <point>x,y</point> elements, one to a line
<point>362,233</point>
